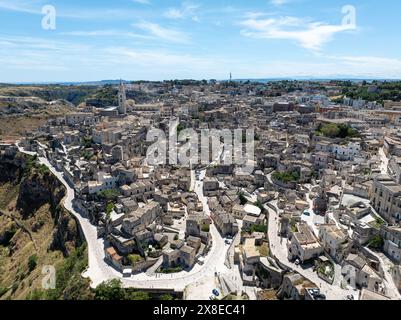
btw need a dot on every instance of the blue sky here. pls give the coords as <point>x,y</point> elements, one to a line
<point>199,39</point>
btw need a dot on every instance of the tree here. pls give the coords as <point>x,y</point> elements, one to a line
<point>109,195</point>
<point>205,227</point>
<point>137,295</point>
<point>110,290</point>
<point>109,208</point>
<point>376,242</point>
<point>180,127</point>
<point>242,198</point>
<point>260,205</point>
<point>86,142</point>
<point>331,130</point>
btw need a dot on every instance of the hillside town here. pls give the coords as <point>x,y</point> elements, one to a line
<point>317,218</point>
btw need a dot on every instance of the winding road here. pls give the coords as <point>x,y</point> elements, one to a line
<point>99,271</point>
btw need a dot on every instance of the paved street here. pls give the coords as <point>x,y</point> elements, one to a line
<point>384,161</point>
<point>278,247</point>
<point>99,271</point>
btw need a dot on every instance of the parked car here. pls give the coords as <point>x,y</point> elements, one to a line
<point>216,292</point>
<point>306,213</point>
<point>297,262</point>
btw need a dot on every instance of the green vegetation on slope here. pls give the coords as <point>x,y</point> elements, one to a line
<point>112,290</point>
<point>333,130</point>
<point>286,176</point>
<point>385,91</point>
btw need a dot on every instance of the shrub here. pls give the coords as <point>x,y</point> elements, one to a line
<point>137,295</point>
<point>260,205</point>
<point>286,176</point>
<point>242,198</point>
<point>171,270</point>
<point>110,290</point>
<point>32,262</point>
<point>3,291</point>
<point>258,228</point>
<point>205,228</point>
<point>134,259</point>
<point>109,208</point>
<point>43,169</point>
<point>108,195</point>
<point>376,242</point>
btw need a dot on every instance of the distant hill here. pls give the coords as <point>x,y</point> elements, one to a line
<point>85,83</point>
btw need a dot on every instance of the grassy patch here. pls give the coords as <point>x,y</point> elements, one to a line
<point>263,249</point>
<point>377,223</point>
<point>135,259</point>
<point>286,176</point>
<point>8,193</point>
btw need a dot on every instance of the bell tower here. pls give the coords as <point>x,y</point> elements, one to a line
<point>122,99</point>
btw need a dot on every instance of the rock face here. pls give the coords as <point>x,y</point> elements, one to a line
<point>66,235</point>
<point>7,233</point>
<point>38,189</point>
<point>11,168</point>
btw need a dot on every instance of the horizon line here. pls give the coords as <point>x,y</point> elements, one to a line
<point>294,78</point>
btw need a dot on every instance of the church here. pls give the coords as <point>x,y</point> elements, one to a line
<point>121,109</point>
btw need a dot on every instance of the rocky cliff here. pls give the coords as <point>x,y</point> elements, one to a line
<point>35,230</point>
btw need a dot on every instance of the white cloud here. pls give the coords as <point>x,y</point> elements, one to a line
<point>163,33</point>
<point>187,9</point>
<point>278,2</point>
<point>33,43</point>
<point>35,7</point>
<point>25,6</point>
<point>310,35</point>
<point>37,59</point>
<point>153,57</point>
<point>254,15</point>
<point>142,1</point>
<point>106,33</point>
<point>174,13</point>
<point>371,66</point>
